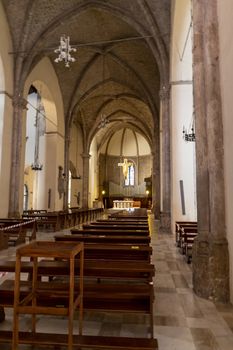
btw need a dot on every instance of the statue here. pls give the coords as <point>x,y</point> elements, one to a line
<point>125,165</point>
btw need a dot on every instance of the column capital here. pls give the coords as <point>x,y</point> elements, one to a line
<point>85,155</point>
<point>164,92</point>
<point>19,102</point>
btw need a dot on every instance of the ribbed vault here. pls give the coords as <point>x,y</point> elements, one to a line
<point>121,60</point>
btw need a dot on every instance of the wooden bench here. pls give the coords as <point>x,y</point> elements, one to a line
<point>185,233</point>
<point>188,245</point>
<point>114,226</point>
<point>84,341</point>
<point>89,230</point>
<point>102,238</point>
<point>121,222</point>
<point>178,227</point>
<point>51,220</point>
<point>105,296</point>
<point>34,211</point>
<point>16,231</point>
<point>124,252</point>
<point>129,270</point>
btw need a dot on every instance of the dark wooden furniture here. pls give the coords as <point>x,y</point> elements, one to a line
<point>120,231</point>
<point>125,252</point>
<point>115,226</point>
<point>16,231</point>
<point>28,300</point>
<point>82,341</point>
<point>102,239</point>
<point>178,227</point>
<point>121,222</point>
<point>124,270</point>
<point>186,231</point>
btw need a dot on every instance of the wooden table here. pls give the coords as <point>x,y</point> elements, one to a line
<point>28,305</point>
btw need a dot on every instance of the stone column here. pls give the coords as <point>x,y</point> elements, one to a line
<point>210,250</point>
<point>86,158</point>
<point>166,168</point>
<point>156,178</point>
<point>19,105</point>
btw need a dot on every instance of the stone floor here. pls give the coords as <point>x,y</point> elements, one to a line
<point>182,321</point>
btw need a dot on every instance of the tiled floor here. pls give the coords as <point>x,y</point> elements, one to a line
<point>182,321</point>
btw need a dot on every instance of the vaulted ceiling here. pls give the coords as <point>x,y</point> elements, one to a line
<point>122,57</point>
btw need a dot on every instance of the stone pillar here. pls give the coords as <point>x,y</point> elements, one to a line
<point>19,105</point>
<point>66,171</point>
<point>156,179</point>
<point>86,158</point>
<point>210,250</point>
<point>166,167</point>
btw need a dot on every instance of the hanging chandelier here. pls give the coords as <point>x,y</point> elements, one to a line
<point>189,134</point>
<point>64,51</point>
<point>103,121</point>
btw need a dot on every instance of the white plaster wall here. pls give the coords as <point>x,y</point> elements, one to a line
<point>182,153</point>
<point>225,10</point>
<point>6,111</point>
<point>44,78</point>
<point>76,151</point>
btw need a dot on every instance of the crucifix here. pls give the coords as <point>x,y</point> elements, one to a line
<point>125,165</point>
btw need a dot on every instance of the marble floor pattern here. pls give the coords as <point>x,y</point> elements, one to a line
<point>182,321</point>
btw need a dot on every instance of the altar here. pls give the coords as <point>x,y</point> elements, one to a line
<point>122,204</point>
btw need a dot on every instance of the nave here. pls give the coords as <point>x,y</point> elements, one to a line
<point>182,321</point>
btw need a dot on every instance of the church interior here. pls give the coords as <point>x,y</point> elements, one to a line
<point>117,112</point>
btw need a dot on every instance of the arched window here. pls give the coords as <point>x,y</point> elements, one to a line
<point>130,178</point>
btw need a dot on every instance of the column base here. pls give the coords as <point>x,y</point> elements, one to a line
<point>165,222</point>
<point>14,215</point>
<point>156,211</point>
<point>210,260</point>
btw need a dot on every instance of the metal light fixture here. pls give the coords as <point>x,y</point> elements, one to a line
<point>64,51</point>
<point>103,121</point>
<point>189,134</point>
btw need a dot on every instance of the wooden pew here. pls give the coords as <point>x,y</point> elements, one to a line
<point>128,217</point>
<point>113,293</point>
<point>106,297</point>
<point>125,252</point>
<point>121,222</point>
<point>114,226</point>
<point>178,227</point>
<point>83,341</point>
<point>108,269</point>
<point>34,211</point>
<point>51,220</point>
<point>185,232</point>
<point>16,231</point>
<point>188,246</point>
<point>109,232</point>
<point>95,238</point>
